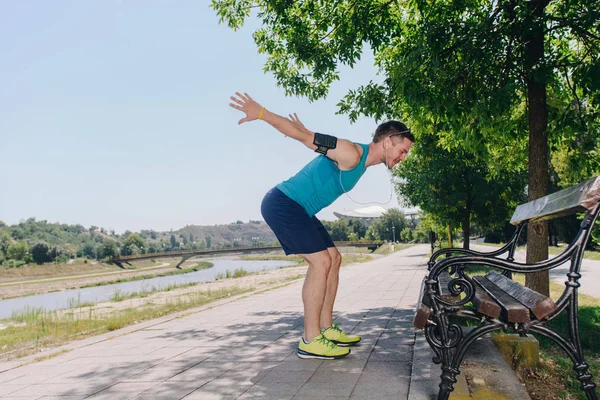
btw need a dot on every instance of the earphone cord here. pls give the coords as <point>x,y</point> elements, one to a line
<point>370,202</point>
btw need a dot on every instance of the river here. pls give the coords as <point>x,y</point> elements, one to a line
<point>64,299</point>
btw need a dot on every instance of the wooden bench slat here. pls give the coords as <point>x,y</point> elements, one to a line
<point>512,310</point>
<point>582,197</point>
<point>444,279</point>
<point>423,311</point>
<point>484,303</point>
<point>540,305</point>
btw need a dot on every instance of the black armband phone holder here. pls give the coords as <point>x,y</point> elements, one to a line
<point>324,142</point>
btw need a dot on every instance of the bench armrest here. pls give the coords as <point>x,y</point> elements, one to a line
<point>513,266</point>
<point>508,247</point>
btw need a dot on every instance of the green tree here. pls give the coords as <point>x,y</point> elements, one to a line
<point>208,239</point>
<point>40,253</point>
<point>135,244</point>
<point>479,72</point>
<point>406,235</point>
<point>5,241</point>
<point>173,241</point>
<point>17,251</point>
<point>340,230</point>
<point>393,222</point>
<point>358,227</point>
<point>108,249</point>
<point>89,250</point>
<point>456,188</point>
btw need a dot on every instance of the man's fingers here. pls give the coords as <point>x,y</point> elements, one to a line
<point>241,96</point>
<point>248,96</point>
<point>236,107</point>
<point>241,121</point>
<point>237,100</point>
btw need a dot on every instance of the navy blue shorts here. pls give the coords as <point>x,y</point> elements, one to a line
<point>297,232</point>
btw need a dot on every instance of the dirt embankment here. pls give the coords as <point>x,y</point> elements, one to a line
<point>44,279</point>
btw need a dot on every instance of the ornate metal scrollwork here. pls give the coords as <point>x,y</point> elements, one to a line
<point>455,335</point>
<point>461,284</point>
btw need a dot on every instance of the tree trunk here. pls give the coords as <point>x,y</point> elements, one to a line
<point>537,234</point>
<point>466,225</point>
<point>450,236</point>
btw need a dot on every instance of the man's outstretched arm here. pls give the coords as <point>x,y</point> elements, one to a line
<point>345,154</point>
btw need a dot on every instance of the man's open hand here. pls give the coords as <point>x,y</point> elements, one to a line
<point>247,105</point>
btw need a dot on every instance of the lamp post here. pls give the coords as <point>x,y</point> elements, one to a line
<point>393,233</point>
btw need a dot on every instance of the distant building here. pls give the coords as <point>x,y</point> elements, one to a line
<point>370,214</point>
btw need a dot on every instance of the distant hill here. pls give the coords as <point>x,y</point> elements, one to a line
<point>240,233</point>
<point>75,238</point>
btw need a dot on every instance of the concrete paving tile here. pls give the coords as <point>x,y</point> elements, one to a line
<point>295,363</point>
<point>280,376</point>
<point>321,376</point>
<point>386,371</point>
<point>155,374</point>
<point>377,390</point>
<point>204,394</point>
<point>345,365</point>
<point>8,389</point>
<point>35,391</point>
<point>325,389</point>
<point>123,391</point>
<point>403,353</point>
<point>6,377</point>
<point>423,389</point>
<point>271,391</point>
<point>223,387</point>
<point>203,372</point>
<point>172,390</point>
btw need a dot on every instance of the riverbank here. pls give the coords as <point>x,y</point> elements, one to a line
<point>34,280</point>
<point>36,330</point>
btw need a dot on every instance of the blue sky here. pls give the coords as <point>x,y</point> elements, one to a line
<point>115,114</point>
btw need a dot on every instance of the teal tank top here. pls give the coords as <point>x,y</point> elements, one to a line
<point>317,185</point>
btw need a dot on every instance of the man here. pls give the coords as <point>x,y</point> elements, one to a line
<point>289,209</point>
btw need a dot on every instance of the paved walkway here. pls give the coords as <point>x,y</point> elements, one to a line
<point>246,348</point>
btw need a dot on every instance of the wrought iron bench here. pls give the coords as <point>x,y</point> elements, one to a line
<point>499,303</point>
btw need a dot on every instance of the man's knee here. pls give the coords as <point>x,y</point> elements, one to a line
<point>321,263</point>
<point>336,258</point>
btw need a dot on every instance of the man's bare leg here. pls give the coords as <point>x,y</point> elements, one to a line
<point>313,291</point>
<point>333,278</point>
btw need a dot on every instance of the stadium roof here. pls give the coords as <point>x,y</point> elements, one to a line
<point>371,212</point>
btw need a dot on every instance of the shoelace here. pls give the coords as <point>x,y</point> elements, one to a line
<point>336,328</point>
<point>322,339</point>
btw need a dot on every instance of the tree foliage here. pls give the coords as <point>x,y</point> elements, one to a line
<point>457,189</point>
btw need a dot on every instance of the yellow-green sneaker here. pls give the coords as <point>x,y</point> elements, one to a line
<point>321,348</point>
<point>339,337</point>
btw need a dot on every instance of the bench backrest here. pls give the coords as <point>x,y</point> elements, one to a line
<point>578,198</point>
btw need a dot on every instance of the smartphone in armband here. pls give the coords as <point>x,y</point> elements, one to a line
<point>324,143</point>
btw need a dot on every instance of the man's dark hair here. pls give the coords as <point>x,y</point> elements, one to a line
<point>392,128</point>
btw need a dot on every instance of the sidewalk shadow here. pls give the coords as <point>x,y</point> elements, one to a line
<point>251,351</point>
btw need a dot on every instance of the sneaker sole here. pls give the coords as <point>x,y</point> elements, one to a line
<point>345,344</point>
<point>305,355</point>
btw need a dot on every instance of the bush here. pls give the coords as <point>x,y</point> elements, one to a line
<point>13,263</point>
<point>493,237</point>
